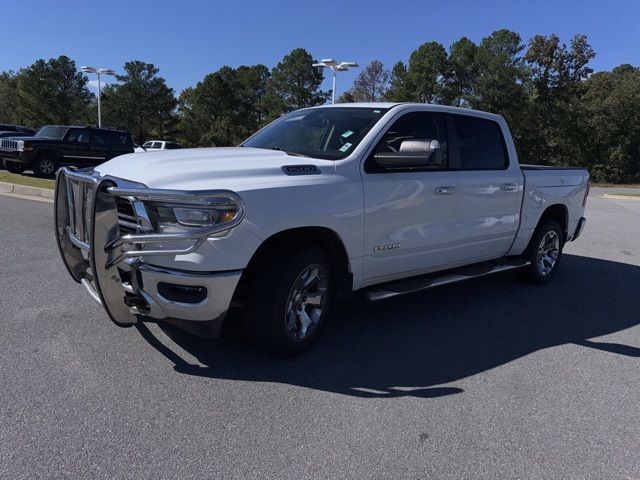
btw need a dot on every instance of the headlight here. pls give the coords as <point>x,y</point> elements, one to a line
<point>177,218</point>
<point>21,147</point>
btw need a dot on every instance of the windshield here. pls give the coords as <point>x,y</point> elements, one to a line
<point>328,133</point>
<point>49,131</point>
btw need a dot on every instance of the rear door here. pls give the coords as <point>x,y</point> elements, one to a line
<point>75,148</point>
<point>488,189</point>
<point>100,145</point>
<point>409,217</point>
<point>108,144</point>
<point>119,144</point>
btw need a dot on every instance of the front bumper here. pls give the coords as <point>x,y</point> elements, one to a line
<point>216,289</point>
<point>23,158</point>
<point>146,300</point>
<point>116,273</point>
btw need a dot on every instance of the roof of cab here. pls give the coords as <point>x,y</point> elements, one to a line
<point>429,106</point>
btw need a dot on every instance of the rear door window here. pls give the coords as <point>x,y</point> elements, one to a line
<point>479,144</point>
<point>78,135</point>
<point>99,138</point>
<point>118,139</point>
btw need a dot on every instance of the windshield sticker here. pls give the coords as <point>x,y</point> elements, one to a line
<point>346,134</point>
<point>376,111</point>
<point>345,147</point>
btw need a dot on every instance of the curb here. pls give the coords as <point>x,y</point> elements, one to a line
<point>15,189</point>
<point>620,197</point>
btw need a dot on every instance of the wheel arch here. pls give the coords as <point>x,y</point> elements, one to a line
<point>310,235</point>
<point>559,213</point>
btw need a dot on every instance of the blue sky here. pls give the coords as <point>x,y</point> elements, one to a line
<point>188,39</point>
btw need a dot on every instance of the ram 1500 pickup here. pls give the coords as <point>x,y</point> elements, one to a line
<point>389,198</point>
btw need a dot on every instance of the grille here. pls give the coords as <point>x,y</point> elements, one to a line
<point>8,144</point>
<point>81,209</point>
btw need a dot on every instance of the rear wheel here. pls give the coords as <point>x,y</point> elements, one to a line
<point>288,299</point>
<point>44,166</point>
<point>544,252</point>
<point>14,167</point>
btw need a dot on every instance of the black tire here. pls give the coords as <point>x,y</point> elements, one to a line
<point>270,299</point>
<point>44,166</point>
<point>14,167</point>
<point>542,269</point>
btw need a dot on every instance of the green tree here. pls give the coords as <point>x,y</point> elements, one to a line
<point>498,85</point>
<point>557,75</point>
<point>460,74</point>
<point>398,89</point>
<point>226,107</point>
<point>8,95</point>
<point>51,92</point>
<point>611,108</point>
<point>371,84</point>
<point>426,67</point>
<point>499,81</point>
<point>142,102</point>
<point>556,71</point>
<point>295,83</point>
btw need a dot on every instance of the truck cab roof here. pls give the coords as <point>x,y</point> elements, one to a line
<point>426,106</point>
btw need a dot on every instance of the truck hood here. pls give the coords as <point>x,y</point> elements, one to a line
<point>232,168</point>
<point>25,138</point>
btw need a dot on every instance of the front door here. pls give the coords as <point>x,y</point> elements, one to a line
<point>410,213</point>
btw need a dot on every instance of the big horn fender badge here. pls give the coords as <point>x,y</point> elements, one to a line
<point>301,170</point>
<point>390,246</point>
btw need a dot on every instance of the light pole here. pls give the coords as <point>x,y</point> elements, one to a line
<point>98,72</point>
<point>335,68</point>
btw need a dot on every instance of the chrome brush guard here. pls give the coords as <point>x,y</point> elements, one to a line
<point>104,249</point>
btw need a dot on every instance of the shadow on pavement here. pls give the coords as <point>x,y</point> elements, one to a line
<point>410,345</point>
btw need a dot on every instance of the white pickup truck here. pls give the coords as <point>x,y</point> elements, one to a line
<point>389,198</point>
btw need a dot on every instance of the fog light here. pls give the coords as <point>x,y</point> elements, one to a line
<point>182,293</point>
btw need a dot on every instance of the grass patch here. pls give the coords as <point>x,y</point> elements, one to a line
<point>26,179</point>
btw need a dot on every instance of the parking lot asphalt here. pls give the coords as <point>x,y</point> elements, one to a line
<point>490,378</point>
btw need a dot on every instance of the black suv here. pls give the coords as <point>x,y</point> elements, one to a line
<point>56,145</point>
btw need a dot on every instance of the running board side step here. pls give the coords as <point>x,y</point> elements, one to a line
<point>416,284</point>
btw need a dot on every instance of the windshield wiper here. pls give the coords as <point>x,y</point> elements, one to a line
<point>293,154</point>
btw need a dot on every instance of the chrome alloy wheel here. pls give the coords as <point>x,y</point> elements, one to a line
<point>548,252</point>
<point>46,166</point>
<point>306,302</point>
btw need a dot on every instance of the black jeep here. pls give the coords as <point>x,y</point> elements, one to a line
<point>56,145</point>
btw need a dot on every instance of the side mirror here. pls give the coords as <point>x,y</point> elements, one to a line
<point>412,154</point>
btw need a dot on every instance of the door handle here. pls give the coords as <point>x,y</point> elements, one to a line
<point>508,187</point>
<point>445,190</point>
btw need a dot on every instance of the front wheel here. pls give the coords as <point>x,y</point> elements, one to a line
<point>44,167</point>
<point>289,298</point>
<point>544,252</point>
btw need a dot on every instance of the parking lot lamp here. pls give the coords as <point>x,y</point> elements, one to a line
<point>335,68</point>
<point>98,72</point>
